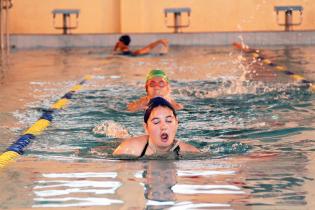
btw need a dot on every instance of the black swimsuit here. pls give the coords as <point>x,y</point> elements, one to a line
<point>176,150</point>
<point>132,54</point>
<point>127,53</point>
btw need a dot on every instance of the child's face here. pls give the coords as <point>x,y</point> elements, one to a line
<point>157,87</point>
<point>161,128</point>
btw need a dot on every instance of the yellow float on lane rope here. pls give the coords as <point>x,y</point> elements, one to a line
<point>76,88</point>
<point>6,157</point>
<point>61,103</point>
<point>266,61</point>
<point>87,77</point>
<point>38,127</point>
<point>297,77</point>
<point>281,68</point>
<point>257,55</point>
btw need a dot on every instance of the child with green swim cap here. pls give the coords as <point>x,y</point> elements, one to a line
<point>157,84</point>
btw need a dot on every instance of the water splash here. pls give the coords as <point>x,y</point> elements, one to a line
<point>111,129</point>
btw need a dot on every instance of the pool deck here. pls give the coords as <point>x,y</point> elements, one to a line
<point>211,39</point>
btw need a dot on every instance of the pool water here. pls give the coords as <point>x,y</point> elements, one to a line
<point>255,127</point>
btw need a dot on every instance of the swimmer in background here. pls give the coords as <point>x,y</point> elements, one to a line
<point>157,84</point>
<point>160,124</point>
<point>122,46</point>
<point>245,48</point>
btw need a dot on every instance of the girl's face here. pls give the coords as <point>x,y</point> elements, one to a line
<point>157,87</point>
<point>161,128</point>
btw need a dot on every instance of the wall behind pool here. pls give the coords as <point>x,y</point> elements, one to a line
<point>147,16</point>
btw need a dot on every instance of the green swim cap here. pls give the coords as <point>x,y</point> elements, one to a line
<point>156,73</point>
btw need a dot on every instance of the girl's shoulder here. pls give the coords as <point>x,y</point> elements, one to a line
<point>131,146</point>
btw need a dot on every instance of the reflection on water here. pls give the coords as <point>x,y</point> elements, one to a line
<point>235,112</point>
<point>160,177</point>
<point>150,184</point>
<point>169,187</point>
<point>76,189</point>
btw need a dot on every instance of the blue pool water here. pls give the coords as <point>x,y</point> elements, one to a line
<point>237,112</point>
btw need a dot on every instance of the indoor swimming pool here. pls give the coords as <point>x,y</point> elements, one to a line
<point>237,111</point>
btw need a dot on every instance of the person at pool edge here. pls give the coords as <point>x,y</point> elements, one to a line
<point>122,46</point>
<point>160,124</point>
<point>157,84</point>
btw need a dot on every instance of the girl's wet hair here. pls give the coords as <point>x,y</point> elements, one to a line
<point>155,102</point>
<point>125,39</point>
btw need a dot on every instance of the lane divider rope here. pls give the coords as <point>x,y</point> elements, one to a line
<point>257,55</point>
<point>17,148</point>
